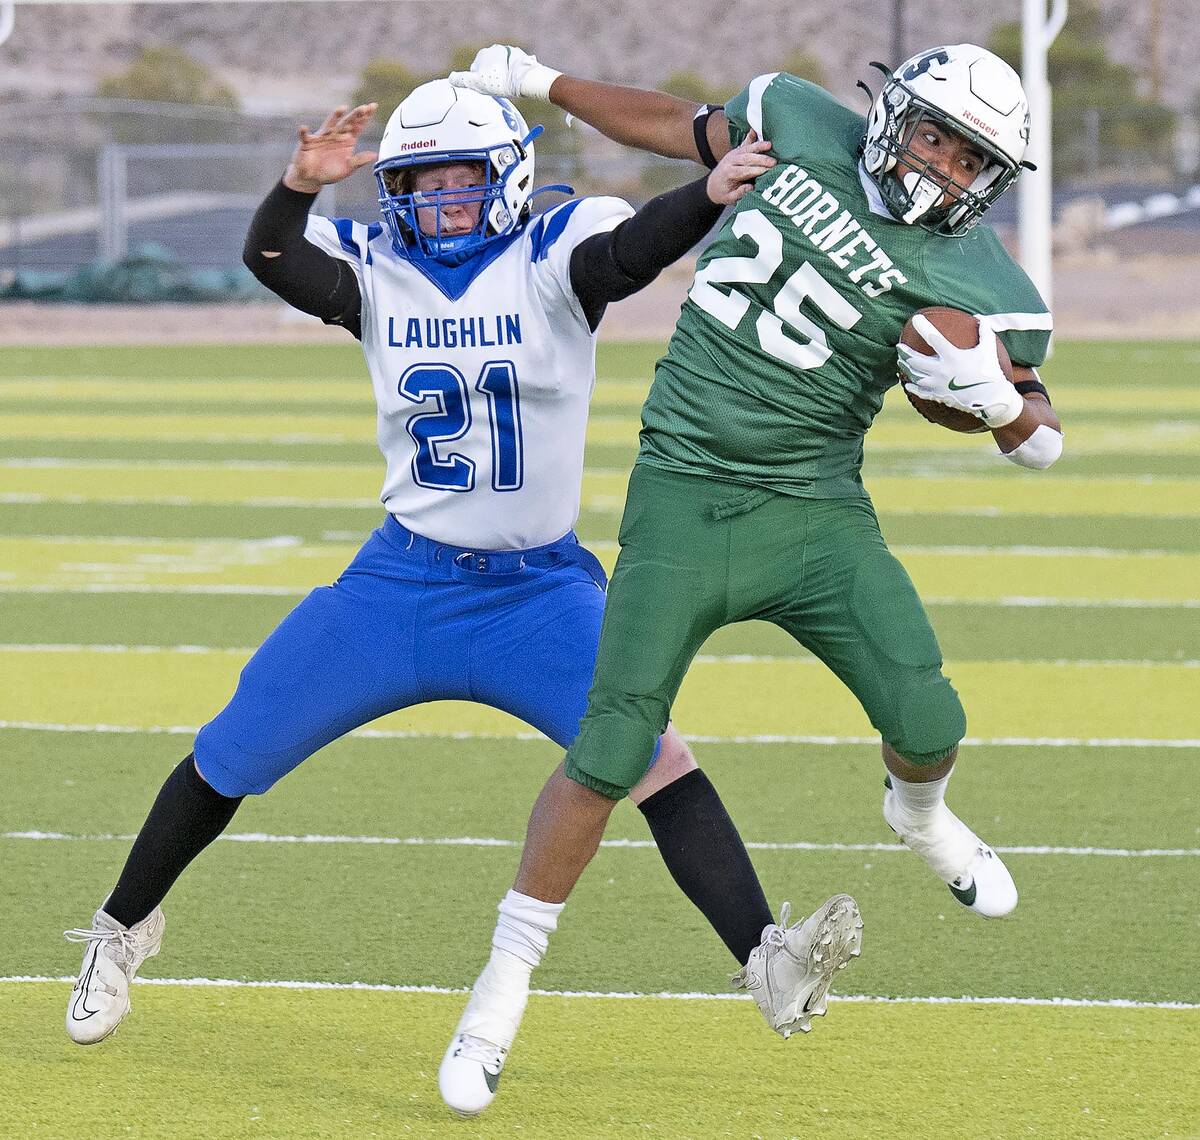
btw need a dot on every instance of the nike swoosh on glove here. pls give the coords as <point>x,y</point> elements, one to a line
<point>969,379</point>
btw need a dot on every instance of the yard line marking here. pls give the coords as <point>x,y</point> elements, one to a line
<point>864,999</point>
<point>1019,601</point>
<point>47,462</point>
<point>700,659</point>
<point>272,540</point>
<point>607,546</point>
<point>1016,602</point>
<point>399,734</point>
<point>1027,551</point>
<point>595,504</point>
<point>141,588</point>
<point>57,647</point>
<point>22,498</point>
<point>618,844</point>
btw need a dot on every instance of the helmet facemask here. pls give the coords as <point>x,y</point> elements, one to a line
<point>915,200</point>
<point>499,212</point>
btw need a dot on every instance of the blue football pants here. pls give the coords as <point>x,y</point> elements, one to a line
<point>411,620</point>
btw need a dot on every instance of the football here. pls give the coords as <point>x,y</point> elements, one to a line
<point>961,329</point>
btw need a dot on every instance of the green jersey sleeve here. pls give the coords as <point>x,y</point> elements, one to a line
<point>977,273</point>
<point>778,103</point>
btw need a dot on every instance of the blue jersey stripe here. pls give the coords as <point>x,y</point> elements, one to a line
<point>345,232</point>
<point>550,228</point>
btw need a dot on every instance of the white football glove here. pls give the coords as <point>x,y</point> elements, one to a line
<point>969,379</point>
<point>507,72</point>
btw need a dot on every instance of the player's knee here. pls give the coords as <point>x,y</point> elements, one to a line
<point>229,770</point>
<point>675,757</point>
<point>930,722</point>
<point>615,746</point>
<point>674,760</point>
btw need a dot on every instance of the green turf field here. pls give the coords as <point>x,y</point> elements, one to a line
<point>161,509</point>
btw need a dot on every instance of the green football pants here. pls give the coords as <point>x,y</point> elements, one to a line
<point>697,554</point>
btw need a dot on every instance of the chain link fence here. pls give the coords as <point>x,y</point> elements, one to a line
<point>88,180</point>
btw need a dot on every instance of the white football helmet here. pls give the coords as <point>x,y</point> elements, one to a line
<point>439,123</point>
<point>968,90</point>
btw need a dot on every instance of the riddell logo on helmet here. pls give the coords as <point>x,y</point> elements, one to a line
<point>420,144</point>
<point>976,121</point>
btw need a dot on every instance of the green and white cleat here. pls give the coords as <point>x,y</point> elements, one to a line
<point>790,971</point>
<point>974,873</point>
<point>112,955</point>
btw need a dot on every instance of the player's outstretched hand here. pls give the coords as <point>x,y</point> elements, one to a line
<point>969,379</point>
<point>327,155</point>
<point>733,177</point>
<point>507,72</point>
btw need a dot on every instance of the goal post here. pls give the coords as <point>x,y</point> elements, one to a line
<point>1038,32</point>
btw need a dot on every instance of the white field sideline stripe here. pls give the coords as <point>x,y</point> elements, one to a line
<point>596,504</point>
<point>143,588</point>
<point>596,545</point>
<point>22,498</point>
<point>862,999</point>
<point>389,734</point>
<point>620,844</point>
<point>701,659</point>
<point>49,463</point>
<point>1014,602</point>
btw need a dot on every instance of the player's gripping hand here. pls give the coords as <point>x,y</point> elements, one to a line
<point>969,379</point>
<point>327,154</point>
<point>507,72</point>
<point>733,177</point>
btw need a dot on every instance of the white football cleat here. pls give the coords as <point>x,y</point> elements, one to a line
<point>470,1071</point>
<point>975,874</point>
<point>790,971</point>
<point>100,999</point>
<point>470,1074</point>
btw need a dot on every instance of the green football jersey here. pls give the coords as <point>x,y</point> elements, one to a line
<point>786,343</point>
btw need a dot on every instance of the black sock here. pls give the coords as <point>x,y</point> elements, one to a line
<point>706,857</point>
<point>186,817</point>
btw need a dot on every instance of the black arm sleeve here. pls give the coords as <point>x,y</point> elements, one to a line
<point>611,266</point>
<point>306,277</point>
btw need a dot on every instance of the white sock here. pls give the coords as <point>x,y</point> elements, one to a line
<point>920,801</point>
<point>524,926</point>
<point>499,995</point>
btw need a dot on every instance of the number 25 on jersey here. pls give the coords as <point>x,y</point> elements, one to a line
<point>805,284</point>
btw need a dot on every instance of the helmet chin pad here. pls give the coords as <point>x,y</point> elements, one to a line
<point>923,195</point>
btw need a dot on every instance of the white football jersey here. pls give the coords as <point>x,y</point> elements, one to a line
<point>482,377</point>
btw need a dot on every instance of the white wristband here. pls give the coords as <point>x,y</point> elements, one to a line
<point>1039,451</point>
<point>536,82</point>
<point>1004,410</point>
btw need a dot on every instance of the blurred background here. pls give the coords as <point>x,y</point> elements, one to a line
<point>137,138</point>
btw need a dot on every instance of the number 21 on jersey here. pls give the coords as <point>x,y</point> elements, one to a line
<point>432,431</point>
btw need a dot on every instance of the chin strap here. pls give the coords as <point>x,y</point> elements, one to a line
<point>557,188</point>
